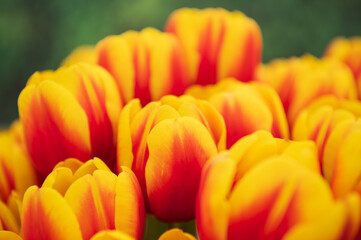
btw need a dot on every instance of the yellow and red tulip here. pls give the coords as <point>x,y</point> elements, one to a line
<point>335,126</point>
<point>349,52</point>
<point>245,107</point>
<point>299,81</point>
<point>146,65</point>
<point>278,198</point>
<point>218,43</point>
<point>86,54</point>
<point>72,112</point>
<point>91,204</point>
<point>68,171</point>
<point>166,143</point>
<point>16,171</point>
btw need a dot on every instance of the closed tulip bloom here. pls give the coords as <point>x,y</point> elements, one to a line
<point>279,198</point>
<point>319,119</point>
<point>218,43</point>
<point>176,234</point>
<point>334,125</point>
<point>146,65</point>
<point>349,52</point>
<point>299,81</point>
<point>245,108</point>
<point>166,143</point>
<point>86,54</point>
<point>91,204</point>
<point>16,171</point>
<point>68,171</point>
<point>72,112</point>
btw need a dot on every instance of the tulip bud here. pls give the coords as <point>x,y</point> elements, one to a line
<point>92,203</point>
<point>245,107</point>
<point>349,52</point>
<point>72,112</point>
<point>146,65</point>
<point>335,126</point>
<point>166,143</point>
<point>299,81</point>
<point>218,43</point>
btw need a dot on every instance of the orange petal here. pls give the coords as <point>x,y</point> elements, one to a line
<point>46,111</point>
<point>92,199</point>
<point>275,196</point>
<point>178,149</point>
<point>129,205</point>
<point>342,167</point>
<point>46,215</point>
<point>212,201</point>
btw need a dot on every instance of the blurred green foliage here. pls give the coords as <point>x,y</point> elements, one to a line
<point>38,34</point>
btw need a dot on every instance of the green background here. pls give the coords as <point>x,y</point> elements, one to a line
<point>37,35</point>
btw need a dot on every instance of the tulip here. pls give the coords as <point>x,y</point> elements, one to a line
<point>176,234</point>
<point>146,65</point>
<point>72,112</point>
<point>278,198</point>
<point>218,43</point>
<point>16,170</point>
<point>166,143</point>
<point>335,126</point>
<point>86,54</point>
<point>70,170</point>
<point>245,107</point>
<point>299,81</point>
<point>349,52</point>
<point>92,203</point>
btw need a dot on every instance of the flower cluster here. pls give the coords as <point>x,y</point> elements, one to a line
<point>185,124</point>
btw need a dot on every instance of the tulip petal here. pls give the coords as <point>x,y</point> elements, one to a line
<point>178,149</point>
<point>56,119</point>
<point>92,199</point>
<point>342,167</point>
<point>129,205</point>
<point>46,215</point>
<point>212,200</point>
<point>275,196</point>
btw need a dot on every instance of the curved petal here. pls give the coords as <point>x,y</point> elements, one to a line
<point>213,208</point>
<point>46,215</point>
<point>92,199</point>
<point>275,196</point>
<point>51,115</point>
<point>178,149</point>
<point>129,205</point>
